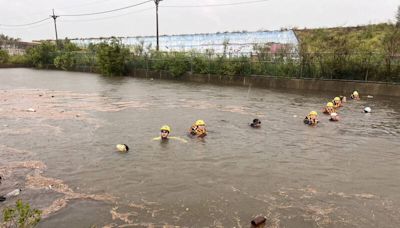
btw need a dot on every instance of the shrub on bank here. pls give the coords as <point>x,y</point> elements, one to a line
<point>178,64</point>
<point>356,53</point>
<point>112,58</point>
<point>200,64</point>
<point>66,61</point>
<point>19,60</point>
<point>4,56</point>
<point>366,53</point>
<point>42,55</point>
<point>21,216</point>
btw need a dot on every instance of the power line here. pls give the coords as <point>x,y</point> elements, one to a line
<point>103,12</point>
<point>110,17</point>
<point>27,24</point>
<point>95,2</point>
<point>131,6</point>
<point>214,5</point>
<point>69,7</point>
<point>27,28</point>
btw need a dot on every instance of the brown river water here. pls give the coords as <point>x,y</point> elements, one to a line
<point>62,156</point>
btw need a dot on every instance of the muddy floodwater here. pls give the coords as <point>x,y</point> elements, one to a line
<point>59,131</point>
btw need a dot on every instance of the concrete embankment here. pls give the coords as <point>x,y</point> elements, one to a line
<point>339,86</point>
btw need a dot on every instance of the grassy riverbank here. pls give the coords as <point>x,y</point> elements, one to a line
<point>369,52</point>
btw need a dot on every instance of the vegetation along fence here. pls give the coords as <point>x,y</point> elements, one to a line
<point>115,59</point>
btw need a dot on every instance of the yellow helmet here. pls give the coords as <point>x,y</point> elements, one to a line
<point>330,104</point>
<point>200,123</point>
<point>355,93</point>
<point>313,113</point>
<point>336,99</point>
<point>166,128</point>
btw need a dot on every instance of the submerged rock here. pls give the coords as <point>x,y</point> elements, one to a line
<point>258,221</point>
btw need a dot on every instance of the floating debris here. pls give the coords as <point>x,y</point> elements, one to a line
<point>38,182</point>
<point>13,193</point>
<point>122,216</point>
<point>258,221</point>
<point>6,171</point>
<point>77,104</point>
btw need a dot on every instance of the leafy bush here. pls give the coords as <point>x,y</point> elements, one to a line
<point>67,46</point>
<point>112,57</point>
<point>67,56</point>
<point>42,54</point>
<point>66,61</point>
<point>4,56</point>
<point>20,216</point>
<point>358,53</point>
<point>178,64</point>
<point>159,61</point>
<point>201,64</point>
<point>19,59</point>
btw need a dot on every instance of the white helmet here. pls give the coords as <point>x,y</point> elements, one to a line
<point>333,114</point>
<point>367,110</point>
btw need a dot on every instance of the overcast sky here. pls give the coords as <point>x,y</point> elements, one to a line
<point>140,21</point>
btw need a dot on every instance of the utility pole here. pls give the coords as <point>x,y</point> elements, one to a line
<point>158,43</point>
<point>55,25</point>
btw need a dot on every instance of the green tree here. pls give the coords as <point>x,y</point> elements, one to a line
<point>178,64</point>
<point>66,61</point>
<point>42,54</point>
<point>392,49</point>
<point>112,57</point>
<point>4,56</point>
<point>67,46</point>
<point>398,17</point>
<point>20,216</point>
<point>138,49</point>
<point>19,59</point>
<point>6,40</point>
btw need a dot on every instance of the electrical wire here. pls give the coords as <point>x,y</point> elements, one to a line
<point>103,12</point>
<point>213,5</point>
<point>29,28</point>
<point>84,4</point>
<point>27,24</point>
<point>110,17</point>
<point>131,6</point>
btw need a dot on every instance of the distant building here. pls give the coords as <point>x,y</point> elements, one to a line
<point>230,42</point>
<point>16,47</point>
